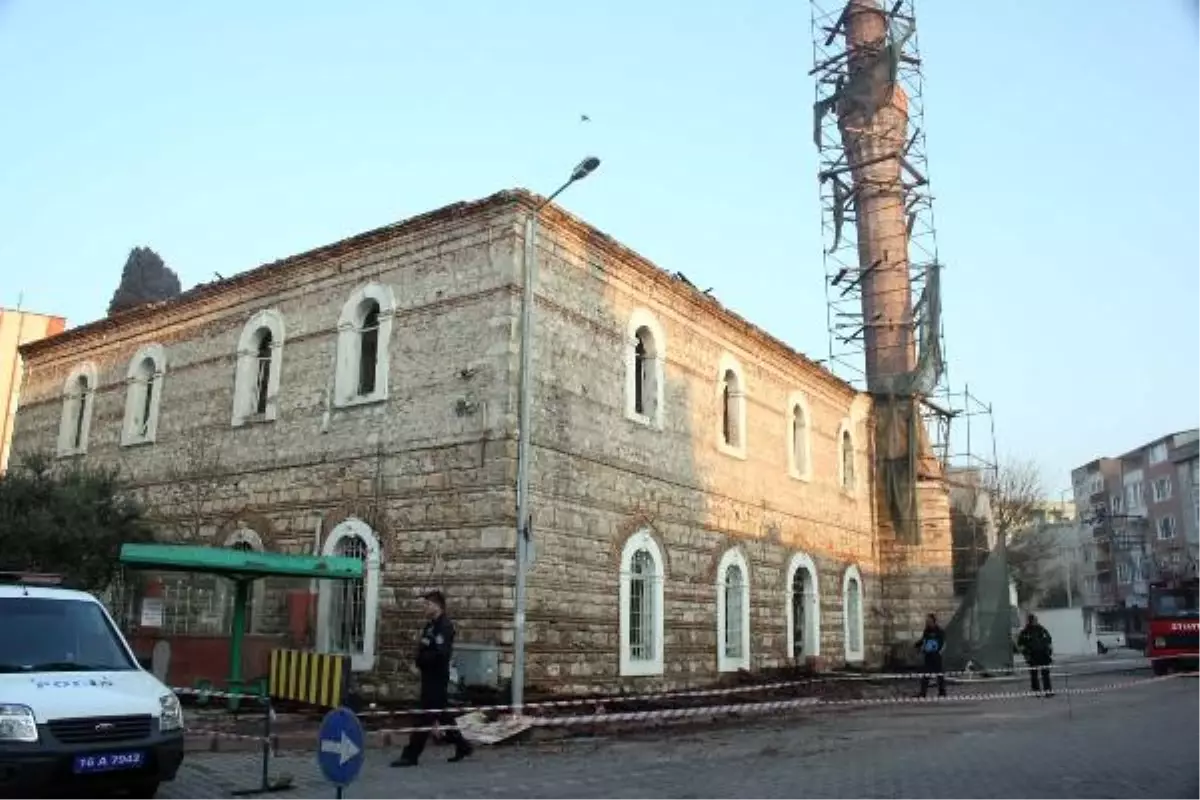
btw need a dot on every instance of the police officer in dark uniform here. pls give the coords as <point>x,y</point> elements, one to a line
<point>931,644</point>
<point>1036,644</point>
<point>433,661</point>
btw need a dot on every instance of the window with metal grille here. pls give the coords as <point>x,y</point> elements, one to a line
<point>146,381</point>
<point>368,344</point>
<point>645,388</point>
<point>730,397</point>
<point>847,461</point>
<point>800,597</point>
<point>262,380</point>
<point>799,440</point>
<point>143,396</point>
<point>854,632</point>
<point>735,599</point>
<point>82,390</point>
<point>349,610</point>
<point>640,601</point>
<point>642,612</point>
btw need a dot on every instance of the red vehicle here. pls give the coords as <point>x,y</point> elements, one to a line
<point>1173,641</point>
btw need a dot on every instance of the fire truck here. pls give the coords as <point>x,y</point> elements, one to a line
<point>1173,640</point>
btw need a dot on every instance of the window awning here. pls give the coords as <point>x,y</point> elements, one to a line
<point>235,564</point>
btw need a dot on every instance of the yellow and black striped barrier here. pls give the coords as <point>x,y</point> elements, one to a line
<point>318,679</point>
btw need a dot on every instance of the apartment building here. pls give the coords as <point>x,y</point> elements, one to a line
<point>1186,458</point>
<point>17,328</point>
<point>1140,507</point>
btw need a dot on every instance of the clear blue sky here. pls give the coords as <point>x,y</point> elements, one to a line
<point>1062,144</point>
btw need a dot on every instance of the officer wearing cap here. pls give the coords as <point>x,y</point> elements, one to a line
<point>433,661</point>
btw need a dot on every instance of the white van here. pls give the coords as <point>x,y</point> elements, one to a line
<point>76,708</point>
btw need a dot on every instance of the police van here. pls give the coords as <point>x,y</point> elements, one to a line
<point>77,710</point>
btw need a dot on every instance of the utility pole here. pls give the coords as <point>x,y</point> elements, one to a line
<point>524,424</point>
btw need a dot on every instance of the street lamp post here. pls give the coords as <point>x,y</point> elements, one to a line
<point>524,423</point>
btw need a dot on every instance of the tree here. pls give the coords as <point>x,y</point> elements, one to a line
<point>1015,493</point>
<point>67,519</point>
<point>145,279</point>
<point>1015,496</point>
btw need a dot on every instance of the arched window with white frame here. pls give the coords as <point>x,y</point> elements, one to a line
<point>803,608</point>
<point>847,477</point>
<point>645,357</point>
<point>258,369</point>
<point>852,614</point>
<point>733,611</point>
<point>364,341</point>
<point>640,594</point>
<point>143,396</point>
<point>79,392</point>
<point>799,437</point>
<point>348,611</point>
<point>731,407</point>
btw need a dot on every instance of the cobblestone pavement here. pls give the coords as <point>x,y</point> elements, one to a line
<point>1136,742</point>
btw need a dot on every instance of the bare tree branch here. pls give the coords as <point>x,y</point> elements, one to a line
<point>1015,493</point>
<point>1016,498</point>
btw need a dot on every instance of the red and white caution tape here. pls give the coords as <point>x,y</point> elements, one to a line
<point>770,706</point>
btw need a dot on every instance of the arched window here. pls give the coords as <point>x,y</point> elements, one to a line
<point>733,612</point>
<point>852,613</point>
<point>259,361</point>
<point>644,370</point>
<point>347,610</point>
<point>732,411</point>
<point>641,598</point>
<point>799,442</point>
<point>144,395</point>
<point>846,474</point>
<point>803,608</point>
<point>364,333</point>
<point>79,391</point>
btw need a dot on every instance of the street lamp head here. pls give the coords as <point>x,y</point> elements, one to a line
<point>585,168</point>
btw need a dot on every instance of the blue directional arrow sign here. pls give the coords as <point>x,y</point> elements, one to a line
<point>341,747</point>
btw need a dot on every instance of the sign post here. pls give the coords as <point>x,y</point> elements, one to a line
<point>341,748</point>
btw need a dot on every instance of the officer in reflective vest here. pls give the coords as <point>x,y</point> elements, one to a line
<point>433,662</point>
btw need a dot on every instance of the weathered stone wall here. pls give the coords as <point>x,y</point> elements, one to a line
<point>599,476</point>
<point>430,468</point>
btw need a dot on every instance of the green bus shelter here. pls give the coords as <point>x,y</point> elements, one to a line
<point>243,567</point>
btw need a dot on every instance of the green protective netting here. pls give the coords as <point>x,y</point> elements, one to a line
<point>980,635</point>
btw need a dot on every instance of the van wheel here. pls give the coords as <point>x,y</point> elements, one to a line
<point>1161,666</point>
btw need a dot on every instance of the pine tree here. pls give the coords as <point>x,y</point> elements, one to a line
<point>145,279</point>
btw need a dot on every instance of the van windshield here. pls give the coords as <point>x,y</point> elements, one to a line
<point>39,634</point>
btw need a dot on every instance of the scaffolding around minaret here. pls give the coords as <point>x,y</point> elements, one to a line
<point>881,262</point>
<point>881,259</point>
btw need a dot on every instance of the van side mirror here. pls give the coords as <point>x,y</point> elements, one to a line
<point>146,663</point>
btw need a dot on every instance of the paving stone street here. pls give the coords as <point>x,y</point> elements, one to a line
<point>1135,742</point>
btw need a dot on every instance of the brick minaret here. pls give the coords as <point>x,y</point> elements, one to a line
<point>911,495</point>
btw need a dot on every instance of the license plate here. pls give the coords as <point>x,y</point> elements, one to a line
<point>109,762</point>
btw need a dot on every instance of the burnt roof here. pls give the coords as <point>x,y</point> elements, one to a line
<point>552,216</point>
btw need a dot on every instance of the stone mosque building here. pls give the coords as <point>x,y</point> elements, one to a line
<point>703,495</point>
